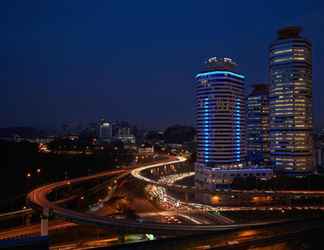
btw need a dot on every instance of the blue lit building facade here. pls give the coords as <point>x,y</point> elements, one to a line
<point>258,141</point>
<point>220,121</point>
<point>291,128</point>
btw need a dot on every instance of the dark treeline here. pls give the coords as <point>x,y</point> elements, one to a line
<point>23,167</point>
<point>177,134</point>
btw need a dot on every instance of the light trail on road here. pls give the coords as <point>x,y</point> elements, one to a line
<point>38,199</point>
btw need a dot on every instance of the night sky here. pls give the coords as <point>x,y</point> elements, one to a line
<point>63,61</point>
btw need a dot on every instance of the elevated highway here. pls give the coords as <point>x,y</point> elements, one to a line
<point>38,200</point>
<point>139,173</point>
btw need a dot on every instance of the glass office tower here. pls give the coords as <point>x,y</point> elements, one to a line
<point>220,118</point>
<point>258,143</point>
<point>290,69</point>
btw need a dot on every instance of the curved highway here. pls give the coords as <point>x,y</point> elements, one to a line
<point>38,200</point>
<point>137,173</point>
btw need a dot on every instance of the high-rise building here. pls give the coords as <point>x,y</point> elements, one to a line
<point>290,69</point>
<point>220,120</point>
<point>258,144</point>
<point>104,131</point>
<point>125,135</point>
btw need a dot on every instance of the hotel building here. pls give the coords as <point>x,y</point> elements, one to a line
<point>220,116</point>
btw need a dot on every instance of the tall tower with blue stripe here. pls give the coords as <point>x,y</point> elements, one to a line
<point>220,119</point>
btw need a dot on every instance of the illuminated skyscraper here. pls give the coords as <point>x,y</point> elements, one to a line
<point>258,144</point>
<point>220,116</point>
<point>290,68</point>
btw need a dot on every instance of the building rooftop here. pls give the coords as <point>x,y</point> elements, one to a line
<point>260,89</point>
<point>225,63</point>
<point>289,32</point>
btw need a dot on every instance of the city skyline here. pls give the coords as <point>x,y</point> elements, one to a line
<point>66,62</point>
<point>161,124</point>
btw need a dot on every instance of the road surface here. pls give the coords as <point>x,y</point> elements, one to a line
<point>38,199</point>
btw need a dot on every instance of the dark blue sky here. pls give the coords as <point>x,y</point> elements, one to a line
<point>135,60</point>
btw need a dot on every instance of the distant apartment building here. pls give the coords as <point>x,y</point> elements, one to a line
<point>124,134</point>
<point>104,131</point>
<point>145,150</point>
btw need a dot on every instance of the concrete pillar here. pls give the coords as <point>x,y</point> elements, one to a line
<point>121,238</point>
<point>186,196</point>
<point>44,222</point>
<point>27,219</point>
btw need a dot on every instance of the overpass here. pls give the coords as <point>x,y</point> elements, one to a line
<point>139,173</point>
<point>38,200</point>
